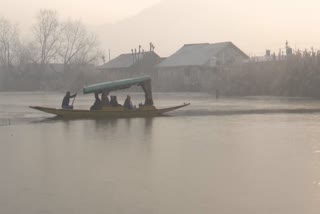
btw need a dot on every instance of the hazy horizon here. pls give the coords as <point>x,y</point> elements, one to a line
<point>252,25</point>
<point>101,11</point>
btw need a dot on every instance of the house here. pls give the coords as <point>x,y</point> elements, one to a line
<point>131,65</point>
<point>205,55</point>
<point>192,67</point>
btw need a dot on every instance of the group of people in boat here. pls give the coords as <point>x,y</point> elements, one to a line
<point>99,103</point>
<point>112,102</point>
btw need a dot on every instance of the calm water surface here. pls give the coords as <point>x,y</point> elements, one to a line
<point>248,156</point>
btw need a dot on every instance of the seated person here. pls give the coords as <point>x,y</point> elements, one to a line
<point>104,98</point>
<point>114,101</point>
<point>66,100</point>
<point>128,103</point>
<point>97,103</point>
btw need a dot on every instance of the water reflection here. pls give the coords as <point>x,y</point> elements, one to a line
<point>140,127</point>
<point>109,128</point>
<point>245,163</point>
<point>148,126</point>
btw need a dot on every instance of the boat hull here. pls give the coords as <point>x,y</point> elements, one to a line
<point>109,112</point>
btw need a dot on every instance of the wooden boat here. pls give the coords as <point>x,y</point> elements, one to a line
<point>146,110</point>
<point>111,112</point>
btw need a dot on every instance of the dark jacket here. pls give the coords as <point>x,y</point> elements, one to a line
<point>66,99</point>
<point>97,105</point>
<point>114,101</point>
<point>128,104</point>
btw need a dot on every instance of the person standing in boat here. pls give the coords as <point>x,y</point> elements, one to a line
<point>66,100</point>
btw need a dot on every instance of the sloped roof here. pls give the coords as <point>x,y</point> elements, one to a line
<point>197,54</point>
<point>126,60</point>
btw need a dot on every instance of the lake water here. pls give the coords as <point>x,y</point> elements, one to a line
<point>243,156</point>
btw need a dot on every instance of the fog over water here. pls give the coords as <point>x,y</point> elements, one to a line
<point>233,155</point>
<point>193,161</point>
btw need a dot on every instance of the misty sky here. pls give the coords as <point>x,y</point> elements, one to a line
<point>93,12</point>
<point>253,25</point>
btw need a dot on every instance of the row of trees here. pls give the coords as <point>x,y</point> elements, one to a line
<point>53,41</point>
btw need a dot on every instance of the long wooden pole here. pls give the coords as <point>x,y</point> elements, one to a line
<point>73,100</point>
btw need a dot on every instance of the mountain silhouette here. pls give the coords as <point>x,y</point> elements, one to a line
<point>172,23</point>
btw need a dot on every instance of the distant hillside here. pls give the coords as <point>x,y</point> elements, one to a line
<point>169,24</point>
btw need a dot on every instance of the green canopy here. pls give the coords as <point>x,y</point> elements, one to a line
<point>116,85</point>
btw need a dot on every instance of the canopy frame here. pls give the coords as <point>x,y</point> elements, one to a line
<point>143,82</point>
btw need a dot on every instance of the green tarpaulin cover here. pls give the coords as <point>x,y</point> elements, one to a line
<point>115,85</point>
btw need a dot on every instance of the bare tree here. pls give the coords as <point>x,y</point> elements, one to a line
<point>91,53</point>
<point>26,53</point>
<point>47,36</point>
<point>9,42</point>
<point>78,46</point>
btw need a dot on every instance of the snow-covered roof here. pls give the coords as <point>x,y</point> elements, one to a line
<point>197,54</point>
